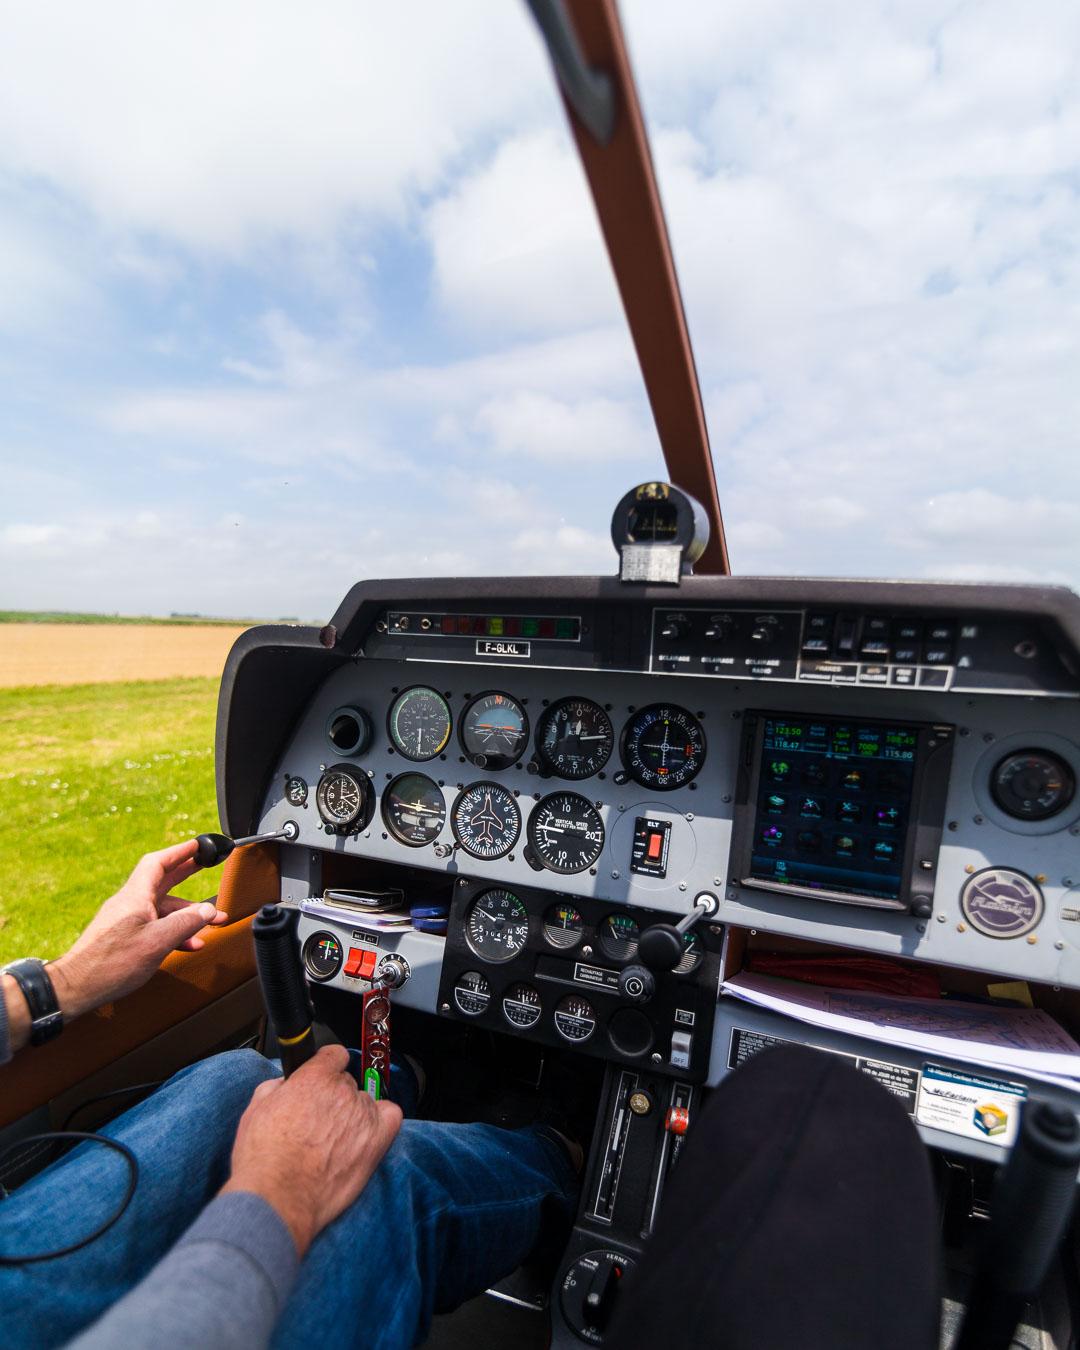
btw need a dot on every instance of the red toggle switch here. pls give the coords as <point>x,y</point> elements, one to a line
<point>361,963</point>
<point>677,1120</point>
<point>656,843</point>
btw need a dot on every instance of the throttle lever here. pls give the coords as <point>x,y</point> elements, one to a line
<point>661,945</point>
<point>215,848</point>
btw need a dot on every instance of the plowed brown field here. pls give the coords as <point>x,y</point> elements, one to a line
<point>65,653</point>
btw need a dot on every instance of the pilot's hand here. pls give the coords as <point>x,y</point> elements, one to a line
<point>308,1143</point>
<point>133,932</point>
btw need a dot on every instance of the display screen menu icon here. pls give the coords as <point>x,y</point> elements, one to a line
<point>833,804</point>
<point>650,852</point>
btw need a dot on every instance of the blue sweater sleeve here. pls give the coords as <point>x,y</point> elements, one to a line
<point>222,1286</point>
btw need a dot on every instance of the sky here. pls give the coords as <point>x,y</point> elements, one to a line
<point>293,296</point>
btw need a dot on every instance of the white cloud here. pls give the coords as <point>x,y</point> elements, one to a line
<point>547,428</point>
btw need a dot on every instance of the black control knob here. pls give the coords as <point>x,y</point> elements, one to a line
<point>674,629</point>
<point>637,984</point>
<point>719,628</point>
<point>590,1292</point>
<point>661,947</point>
<point>600,1295</point>
<point>922,907</point>
<point>764,630</point>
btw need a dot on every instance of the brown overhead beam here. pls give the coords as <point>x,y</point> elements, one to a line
<point>619,167</point>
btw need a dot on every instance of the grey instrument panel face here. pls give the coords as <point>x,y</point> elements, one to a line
<point>471,807</point>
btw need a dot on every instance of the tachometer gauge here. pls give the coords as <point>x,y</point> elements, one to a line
<point>413,809</point>
<point>322,956</point>
<point>574,738</point>
<point>619,936</point>
<point>296,791</point>
<point>566,832</point>
<point>663,747</point>
<point>521,1005</point>
<point>693,954</point>
<point>419,723</point>
<point>345,800</point>
<point>1032,785</point>
<point>494,731</point>
<point>497,925</point>
<point>472,993</point>
<point>575,1019</point>
<point>563,926</point>
<point>486,820</point>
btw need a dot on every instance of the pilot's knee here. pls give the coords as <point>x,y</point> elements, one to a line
<point>228,1080</point>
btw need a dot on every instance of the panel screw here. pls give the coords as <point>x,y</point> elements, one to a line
<point>444,1007</point>
<point>1040,877</point>
<point>716,881</point>
<point>726,797</point>
<point>970,868</point>
<point>920,927</point>
<point>586,951</point>
<point>1032,940</point>
<point>961,927</point>
<point>977,819</point>
<point>689,815</point>
<point>656,1057</point>
<point>614,876</point>
<point>682,885</point>
<point>988,736</point>
<point>1066,881</point>
<point>621,807</point>
<point>731,895</point>
<point>941,918</point>
<point>1059,946</point>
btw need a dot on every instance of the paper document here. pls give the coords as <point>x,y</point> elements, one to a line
<point>1026,1040</point>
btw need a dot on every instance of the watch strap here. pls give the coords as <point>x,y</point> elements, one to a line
<point>46,1019</point>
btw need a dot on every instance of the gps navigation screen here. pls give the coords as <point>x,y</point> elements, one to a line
<point>833,803</point>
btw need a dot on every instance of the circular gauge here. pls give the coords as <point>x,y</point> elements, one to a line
<point>663,747</point>
<point>349,731</point>
<point>693,954</point>
<point>1000,902</point>
<point>494,731</point>
<point>413,809</point>
<point>1032,784</point>
<point>296,791</point>
<point>575,1019</point>
<point>497,925</point>
<point>323,955</point>
<point>574,738</point>
<point>419,723</point>
<point>486,820</point>
<point>521,1005</point>
<point>566,832</point>
<point>619,936</point>
<point>472,993</point>
<point>344,799</point>
<point>563,926</point>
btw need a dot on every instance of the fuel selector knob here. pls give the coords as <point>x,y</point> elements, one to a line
<point>591,1290</point>
<point>636,984</point>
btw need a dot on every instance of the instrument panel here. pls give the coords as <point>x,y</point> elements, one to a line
<point>571,749</point>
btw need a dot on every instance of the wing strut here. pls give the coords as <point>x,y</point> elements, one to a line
<point>586,44</point>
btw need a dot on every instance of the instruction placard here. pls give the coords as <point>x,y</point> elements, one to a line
<point>970,1105</point>
<point>901,1081</point>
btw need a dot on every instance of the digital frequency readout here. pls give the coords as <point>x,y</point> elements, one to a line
<point>833,805</point>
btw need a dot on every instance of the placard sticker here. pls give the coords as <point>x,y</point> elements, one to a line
<point>987,1109</point>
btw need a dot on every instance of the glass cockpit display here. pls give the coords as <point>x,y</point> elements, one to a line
<point>833,804</point>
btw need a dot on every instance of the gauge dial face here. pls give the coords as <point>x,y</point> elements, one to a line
<point>494,731</point>
<point>693,954</point>
<point>1032,785</point>
<point>322,956</point>
<point>419,723</point>
<point>497,925</point>
<point>344,799</point>
<point>413,809</point>
<point>521,1005</point>
<point>486,820</point>
<point>472,993</point>
<point>563,926</point>
<point>619,936</point>
<point>574,738</point>
<point>663,747</point>
<point>575,1019</point>
<point>566,832</point>
<point>296,791</point>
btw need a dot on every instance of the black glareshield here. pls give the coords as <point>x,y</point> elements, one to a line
<point>277,959</point>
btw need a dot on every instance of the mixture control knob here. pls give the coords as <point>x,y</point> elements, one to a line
<point>674,629</point>
<point>637,984</point>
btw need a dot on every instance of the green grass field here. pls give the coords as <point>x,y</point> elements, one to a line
<point>92,777</point>
<point>72,616</point>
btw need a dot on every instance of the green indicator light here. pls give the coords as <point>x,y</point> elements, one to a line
<point>495,627</point>
<point>530,627</point>
<point>565,628</point>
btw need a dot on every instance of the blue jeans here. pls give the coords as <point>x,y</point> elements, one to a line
<point>450,1209</point>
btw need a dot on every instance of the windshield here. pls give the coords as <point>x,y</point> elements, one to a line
<point>294,297</point>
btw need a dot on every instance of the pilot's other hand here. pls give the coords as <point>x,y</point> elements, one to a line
<point>308,1143</point>
<point>133,932</point>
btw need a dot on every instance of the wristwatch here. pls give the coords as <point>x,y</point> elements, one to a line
<point>46,1019</point>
